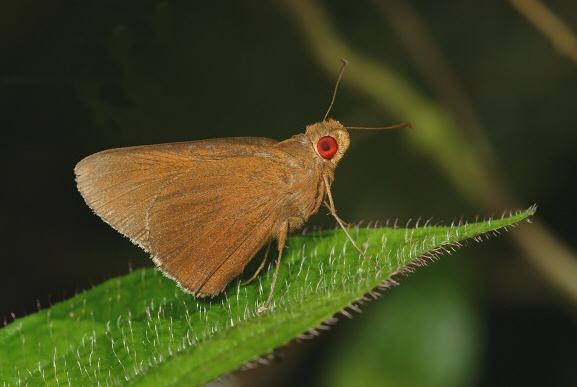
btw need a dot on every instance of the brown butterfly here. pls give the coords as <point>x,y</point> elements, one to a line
<point>203,209</point>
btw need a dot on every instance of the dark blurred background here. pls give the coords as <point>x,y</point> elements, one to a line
<point>493,102</point>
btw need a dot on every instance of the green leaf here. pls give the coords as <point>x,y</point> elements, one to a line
<point>141,329</point>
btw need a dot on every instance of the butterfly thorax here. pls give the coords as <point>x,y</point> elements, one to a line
<point>306,169</point>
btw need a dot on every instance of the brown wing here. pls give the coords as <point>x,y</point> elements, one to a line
<point>202,209</point>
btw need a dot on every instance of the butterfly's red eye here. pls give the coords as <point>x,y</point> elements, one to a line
<point>327,147</point>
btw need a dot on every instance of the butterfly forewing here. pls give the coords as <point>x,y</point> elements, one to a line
<point>202,209</point>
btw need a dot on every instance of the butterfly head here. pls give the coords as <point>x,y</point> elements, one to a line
<point>330,140</point>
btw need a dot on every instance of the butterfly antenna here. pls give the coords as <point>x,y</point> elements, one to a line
<point>397,126</point>
<point>345,64</point>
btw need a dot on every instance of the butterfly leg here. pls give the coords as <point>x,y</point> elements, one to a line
<point>260,267</point>
<point>333,211</point>
<point>327,205</point>
<point>281,243</point>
